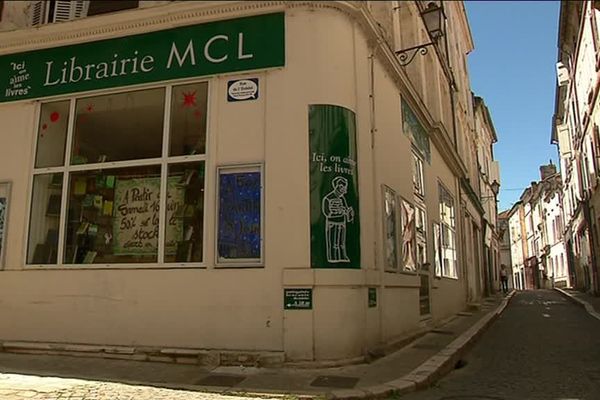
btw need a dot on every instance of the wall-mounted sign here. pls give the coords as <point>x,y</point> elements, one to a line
<point>297,299</point>
<point>216,47</point>
<point>334,210</point>
<point>372,297</point>
<point>242,89</point>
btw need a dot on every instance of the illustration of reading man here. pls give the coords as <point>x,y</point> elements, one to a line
<point>337,214</point>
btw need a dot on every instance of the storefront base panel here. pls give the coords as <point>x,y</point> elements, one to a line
<point>197,309</point>
<point>448,298</point>
<point>209,358</point>
<point>400,313</point>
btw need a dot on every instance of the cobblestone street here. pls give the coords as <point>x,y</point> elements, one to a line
<point>20,387</point>
<point>529,353</point>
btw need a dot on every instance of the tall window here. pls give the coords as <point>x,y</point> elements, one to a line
<point>117,181</point>
<point>447,234</point>
<point>418,180</point>
<point>390,228</point>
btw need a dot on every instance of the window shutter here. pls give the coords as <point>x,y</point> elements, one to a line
<point>81,8</point>
<point>38,13</point>
<point>68,10</point>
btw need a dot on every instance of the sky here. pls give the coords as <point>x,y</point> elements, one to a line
<point>513,69</point>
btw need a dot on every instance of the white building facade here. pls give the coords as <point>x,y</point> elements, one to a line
<point>226,181</point>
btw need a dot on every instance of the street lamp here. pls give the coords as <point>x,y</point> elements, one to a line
<point>495,186</point>
<point>433,17</point>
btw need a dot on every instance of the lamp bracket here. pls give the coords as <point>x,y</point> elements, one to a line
<point>406,56</point>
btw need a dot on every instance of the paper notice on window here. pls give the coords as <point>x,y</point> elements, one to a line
<point>136,215</point>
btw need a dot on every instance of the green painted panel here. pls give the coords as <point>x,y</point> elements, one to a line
<point>217,47</point>
<point>334,206</point>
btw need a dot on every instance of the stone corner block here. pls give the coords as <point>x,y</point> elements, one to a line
<point>402,385</point>
<point>348,394</point>
<point>380,391</point>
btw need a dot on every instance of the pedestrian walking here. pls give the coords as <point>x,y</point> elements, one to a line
<point>504,278</point>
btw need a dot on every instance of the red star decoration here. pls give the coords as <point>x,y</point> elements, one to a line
<point>197,114</point>
<point>54,116</point>
<point>89,108</point>
<point>189,99</point>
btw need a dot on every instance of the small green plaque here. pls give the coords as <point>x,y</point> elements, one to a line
<point>372,297</point>
<point>297,299</point>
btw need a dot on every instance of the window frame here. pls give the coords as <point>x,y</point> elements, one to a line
<point>421,238</point>
<point>402,268</point>
<point>386,267</point>
<point>451,229</point>
<point>242,262</point>
<point>163,162</point>
<point>419,174</point>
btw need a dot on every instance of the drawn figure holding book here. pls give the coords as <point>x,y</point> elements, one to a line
<point>337,214</point>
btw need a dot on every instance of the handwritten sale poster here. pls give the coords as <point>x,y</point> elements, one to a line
<point>136,213</point>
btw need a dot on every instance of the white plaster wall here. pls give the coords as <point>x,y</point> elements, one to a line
<point>327,62</point>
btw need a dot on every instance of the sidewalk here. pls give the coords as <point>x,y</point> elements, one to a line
<point>587,301</point>
<point>415,366</point>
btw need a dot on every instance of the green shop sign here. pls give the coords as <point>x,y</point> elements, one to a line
<point>217,47</point>
<point>334,217</point>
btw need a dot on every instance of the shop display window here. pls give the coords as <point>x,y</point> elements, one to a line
<point>113,216</point>
<point>125,200</point>
<point>45,218</point>
<point>52,134</point>
<point>184,225</point>
<point>117,127</point>
<point>188,119</point>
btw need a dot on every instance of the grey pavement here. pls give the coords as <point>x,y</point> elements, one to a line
<point>416,365</point>
<point>586,300</point>
<point>542,347</point>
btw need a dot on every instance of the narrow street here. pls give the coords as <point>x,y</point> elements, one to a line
<point>542,347</point>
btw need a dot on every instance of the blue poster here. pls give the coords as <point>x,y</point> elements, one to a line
<point>239,234</point>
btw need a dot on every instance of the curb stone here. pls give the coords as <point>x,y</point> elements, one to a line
<point>588,307</point>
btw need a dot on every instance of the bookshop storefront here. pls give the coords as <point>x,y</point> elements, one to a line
<point>206,190</point>
<point>119,197</point>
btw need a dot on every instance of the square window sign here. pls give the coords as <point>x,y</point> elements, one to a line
<point>242,89</point>
<point>239,231</point>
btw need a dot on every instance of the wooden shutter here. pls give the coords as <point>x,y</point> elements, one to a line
<point>65,10</point>
<point>38,13</point>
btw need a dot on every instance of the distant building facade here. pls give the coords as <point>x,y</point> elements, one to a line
<point>535,224</point>
<point>504,243</point>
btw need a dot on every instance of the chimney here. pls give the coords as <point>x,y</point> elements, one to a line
<point>547,170</point>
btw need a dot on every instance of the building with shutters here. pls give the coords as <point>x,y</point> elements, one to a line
<point>237,182</point>
<point>576,132</point>
<point>536,226</point>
